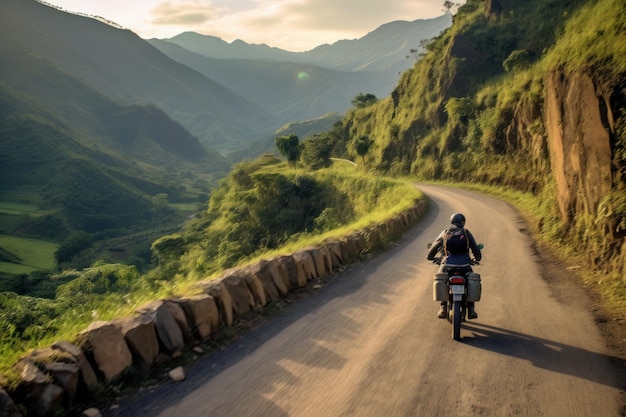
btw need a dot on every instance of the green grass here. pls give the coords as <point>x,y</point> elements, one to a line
<point>18,209</point>
<point>375,199</point>
<point>17,269</point>
<point>13,213</point>
<point>600,24</point>
<point>189,207</point>
<point>35,254</point>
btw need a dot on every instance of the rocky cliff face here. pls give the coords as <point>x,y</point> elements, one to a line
<point>581,131</point>
<point>579,136</point>
<point>571,136</point>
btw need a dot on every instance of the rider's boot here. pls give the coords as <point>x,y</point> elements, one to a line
<point>443,311</point>
<point>471,311</point>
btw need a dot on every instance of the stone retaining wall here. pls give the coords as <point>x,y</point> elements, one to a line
<point>57,376</point>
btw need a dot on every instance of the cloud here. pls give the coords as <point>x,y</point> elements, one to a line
<point>295,25</point>
<point>357,15</point>
<point>191,13</point>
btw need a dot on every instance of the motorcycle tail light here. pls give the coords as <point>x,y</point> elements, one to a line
<point>457,280</point>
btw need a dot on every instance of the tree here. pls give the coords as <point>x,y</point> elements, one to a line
<point>316,151</point>
<point>450,7</point>
<point>362,146</point>
<point>364,100</point>
<point>168,249</point>
<point>72,245</point>
<point>289,147</point>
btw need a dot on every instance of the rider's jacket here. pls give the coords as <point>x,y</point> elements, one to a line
<point>455,259</point>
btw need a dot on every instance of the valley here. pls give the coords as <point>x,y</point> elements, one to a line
<point>131,169</point>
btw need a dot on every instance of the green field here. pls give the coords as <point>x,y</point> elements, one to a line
<point>18,209</point>
<point>34,254</point>
<point>13,213</point>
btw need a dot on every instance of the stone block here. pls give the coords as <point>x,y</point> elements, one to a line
<point>216,289</point>
<point>286,267</point>
<point>141,337</point>
<point>168,331</point>
<point>65,375</point>
<point>305,267</point>
<point>176,310</point>
<point>243,300</point>
<point>261,270</point>
<point>107,346</point>
<point>255,285</point>
<point>87,373</point>
<point>203,315</point>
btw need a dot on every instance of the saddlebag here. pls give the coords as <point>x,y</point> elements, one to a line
<point>474,287</point>
<point>440,287</point>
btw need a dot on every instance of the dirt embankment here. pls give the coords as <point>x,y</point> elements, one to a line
<point>578,129</point>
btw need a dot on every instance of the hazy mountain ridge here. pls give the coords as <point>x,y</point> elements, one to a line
<point>306,85</point>
<point>92,163</point>
<point>391,42</point>
<point>290,91</point>
<point>123,66</point>
<point>378,50</point>
<point>215,47</point>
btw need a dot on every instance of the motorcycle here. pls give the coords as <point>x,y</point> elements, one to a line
<point>457,286</point>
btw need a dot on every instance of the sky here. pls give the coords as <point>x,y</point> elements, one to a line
<point>293,25</point>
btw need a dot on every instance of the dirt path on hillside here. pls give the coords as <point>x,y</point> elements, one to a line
<point>368,343</point>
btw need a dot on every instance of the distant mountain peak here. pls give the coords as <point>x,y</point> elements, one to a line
<point>385,47</point>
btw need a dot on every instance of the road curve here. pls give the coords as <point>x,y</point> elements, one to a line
<point>369,342</point>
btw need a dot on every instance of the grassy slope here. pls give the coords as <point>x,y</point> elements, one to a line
<point>32,254</point>
<point>88,294</point>
<point>419,132</point>
<point>73,159</point>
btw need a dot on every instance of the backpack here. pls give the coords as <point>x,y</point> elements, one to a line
<point>455,241</point>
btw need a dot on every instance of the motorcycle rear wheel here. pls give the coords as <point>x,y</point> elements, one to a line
<point>456,321</point>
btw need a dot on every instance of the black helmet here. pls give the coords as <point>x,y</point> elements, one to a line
<point>458,219</point>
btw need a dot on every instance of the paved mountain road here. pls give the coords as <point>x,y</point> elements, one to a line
<point>369,343</point>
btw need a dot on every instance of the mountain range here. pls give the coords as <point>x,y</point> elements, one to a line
<point>120,65</point>
<point>96,121</point>
<point>295,86</point>
<point>228,103</point>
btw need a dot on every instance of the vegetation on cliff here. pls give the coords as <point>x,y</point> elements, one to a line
<point>262,208</point>
<point>525,95</point>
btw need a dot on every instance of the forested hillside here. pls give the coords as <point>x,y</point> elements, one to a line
<point>77,167</point>
<point>527,95</point>
<point>258,210</point>
<point>120,65</point>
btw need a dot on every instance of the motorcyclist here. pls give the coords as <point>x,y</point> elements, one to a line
<point>456,242</point>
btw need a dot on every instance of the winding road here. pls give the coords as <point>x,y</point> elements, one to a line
<point>369,343</point>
